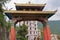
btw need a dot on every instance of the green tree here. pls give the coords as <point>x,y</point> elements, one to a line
<point>2,31</point>
<point>7,29</point>
<point>2,20</point>
<point>4,28</point>
<point>21,32</point>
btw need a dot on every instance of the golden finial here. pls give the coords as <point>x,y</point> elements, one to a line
<point>45,4</point>
<point>14,3</point>
<point>29,2</point>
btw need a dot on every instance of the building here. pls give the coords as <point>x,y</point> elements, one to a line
<point>54,37</point>
<point>32,30</point>
<point>39,34</point>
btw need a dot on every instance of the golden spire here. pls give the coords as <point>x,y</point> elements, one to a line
<point>29,2</point>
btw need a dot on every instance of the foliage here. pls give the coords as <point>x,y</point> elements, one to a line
<point>1,8</point>
<point>3,25</point>
<point>2,4</point>
<point>4,1</point>
<point>7,26</point>
<point>1,19</point>
<point>1,13</point>
<point>7,29</point>
<point>21,32</point>
<point>2,22</point>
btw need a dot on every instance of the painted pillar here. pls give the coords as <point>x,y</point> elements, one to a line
<point>46,30</point>
<point>12,32</point>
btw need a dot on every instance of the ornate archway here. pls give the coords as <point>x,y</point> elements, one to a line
<point>27,12</point>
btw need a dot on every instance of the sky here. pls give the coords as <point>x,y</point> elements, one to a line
<point>50,5</point>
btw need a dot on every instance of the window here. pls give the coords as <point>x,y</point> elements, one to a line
<point>30,28</point>
<point>35,28</point>
<point>30,32</point>
<point>30,24</point>
<point>27,22</point>
<point>34,32</point>
<point>35,24</point>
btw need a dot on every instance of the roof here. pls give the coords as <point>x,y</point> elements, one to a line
<point>29,6</point>
<point>31,12</point>
<point>11,13</point>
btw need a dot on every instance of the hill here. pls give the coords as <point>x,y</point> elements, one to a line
<point>54,26</point>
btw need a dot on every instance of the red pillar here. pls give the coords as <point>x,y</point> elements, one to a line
<point>12,34</point>
<point>13,31</point>
<point>46,33</point>
<point>46,30</point>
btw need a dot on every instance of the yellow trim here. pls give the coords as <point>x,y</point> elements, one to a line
<point>30,4</point>
<point>31,12</point>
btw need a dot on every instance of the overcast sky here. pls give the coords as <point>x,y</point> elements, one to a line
<point>50,5</point>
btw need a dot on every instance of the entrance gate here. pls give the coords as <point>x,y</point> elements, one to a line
<point>28,12</point>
